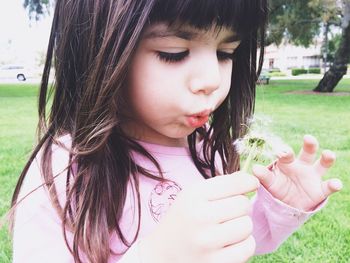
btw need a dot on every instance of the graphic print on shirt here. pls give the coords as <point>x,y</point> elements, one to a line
<point>162,197</point>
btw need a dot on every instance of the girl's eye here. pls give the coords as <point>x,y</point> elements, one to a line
<point>172,57</point>
<point>224,56</point>
<point>179,56</point>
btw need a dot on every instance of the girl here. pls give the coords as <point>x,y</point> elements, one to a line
<point>148,97</point>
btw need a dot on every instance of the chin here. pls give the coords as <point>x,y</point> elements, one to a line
<point>183,133</point>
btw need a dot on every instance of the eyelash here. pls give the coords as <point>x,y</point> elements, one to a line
<point>172,57</point>
<point>177,57</point>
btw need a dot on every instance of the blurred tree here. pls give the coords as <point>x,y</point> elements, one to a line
<point>296,21</point>
<point>333,45</point>
<point>300,21</point>
<point>342,55</point>
<point>37,8</point>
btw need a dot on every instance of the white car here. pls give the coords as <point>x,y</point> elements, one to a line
<point>18,72</point>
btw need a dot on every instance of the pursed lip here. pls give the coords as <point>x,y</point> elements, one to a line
<point>197,120</point>
<point>200,114</point>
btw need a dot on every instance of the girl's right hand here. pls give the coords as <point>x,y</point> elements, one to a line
<point>208,222</point>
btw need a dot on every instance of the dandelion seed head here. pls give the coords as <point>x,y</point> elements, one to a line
<point>259,142</point>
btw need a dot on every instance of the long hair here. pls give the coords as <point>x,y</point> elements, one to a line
<point>91,46</point>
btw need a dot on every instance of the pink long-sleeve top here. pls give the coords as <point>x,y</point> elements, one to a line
<point>38,235</point>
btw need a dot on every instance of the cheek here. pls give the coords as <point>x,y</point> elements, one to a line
<point>151,86</point>
<point>155,79</point>
<point>143,79</point>
<point>226,79</point>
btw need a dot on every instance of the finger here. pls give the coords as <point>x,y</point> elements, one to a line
<point>223,210</point>
<point>308,152</point>
<point>286,157</point>
<point>225,186</point>
<point>326,160</point>
<point>239,252</point>
<point>331,186</point>
<point>225,234</point>
<point>265,176</point>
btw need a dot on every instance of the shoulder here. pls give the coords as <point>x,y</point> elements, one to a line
<point>63,142</point>
<point>33,184</point>
<point>37,224</point>
<point>61,150</point>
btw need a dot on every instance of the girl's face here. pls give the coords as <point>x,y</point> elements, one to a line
<point>177,78</point>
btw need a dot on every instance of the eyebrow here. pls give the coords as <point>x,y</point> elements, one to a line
<point>184,34</point>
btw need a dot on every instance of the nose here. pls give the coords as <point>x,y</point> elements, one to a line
<point>206,77</point>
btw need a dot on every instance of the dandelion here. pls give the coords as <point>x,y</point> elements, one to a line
<point>259,144</point>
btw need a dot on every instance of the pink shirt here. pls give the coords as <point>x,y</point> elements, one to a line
<point>38,235</point>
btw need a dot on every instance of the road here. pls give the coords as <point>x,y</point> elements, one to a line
<point>15,81</point>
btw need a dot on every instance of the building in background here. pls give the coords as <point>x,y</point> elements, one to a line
<point>287,56</point>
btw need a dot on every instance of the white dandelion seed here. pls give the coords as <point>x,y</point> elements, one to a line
<point>259,144</point>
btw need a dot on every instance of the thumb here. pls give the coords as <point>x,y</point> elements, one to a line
<point>265,176</point>
<point>331,186</point>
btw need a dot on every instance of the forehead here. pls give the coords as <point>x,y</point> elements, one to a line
<point>188,32</point>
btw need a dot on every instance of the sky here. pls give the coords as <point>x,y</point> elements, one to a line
<point>21,40</point>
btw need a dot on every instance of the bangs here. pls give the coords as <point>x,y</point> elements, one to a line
<point>242,16</point>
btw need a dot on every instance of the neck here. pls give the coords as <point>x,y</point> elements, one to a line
<point>152,137</point>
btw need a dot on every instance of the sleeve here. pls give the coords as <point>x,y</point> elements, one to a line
<point>38,232</point>
<point>132,255</point>
<point>274,221</point>
<point>38,238</point>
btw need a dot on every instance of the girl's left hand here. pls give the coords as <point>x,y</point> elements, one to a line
<point>298,181</point>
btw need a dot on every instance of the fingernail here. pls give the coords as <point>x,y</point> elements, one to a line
<point>283,154</point>
<point>337,185</point>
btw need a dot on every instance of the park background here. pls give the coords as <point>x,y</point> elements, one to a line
<point>288,99</point>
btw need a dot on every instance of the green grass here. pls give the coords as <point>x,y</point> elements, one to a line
<point>17,128</point>
<point>324,238</point>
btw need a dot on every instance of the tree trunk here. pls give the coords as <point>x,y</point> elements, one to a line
<point>325,45</point>
<point>341,58</point>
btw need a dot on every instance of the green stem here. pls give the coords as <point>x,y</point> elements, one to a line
<point>249,158</point>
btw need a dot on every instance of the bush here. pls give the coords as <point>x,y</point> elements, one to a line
<point>314,70</point>
<point>298,71</point>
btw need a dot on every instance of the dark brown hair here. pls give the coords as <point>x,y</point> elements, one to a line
<point>91,46</point>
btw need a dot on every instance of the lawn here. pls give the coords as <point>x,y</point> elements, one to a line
<point>324,238</point>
